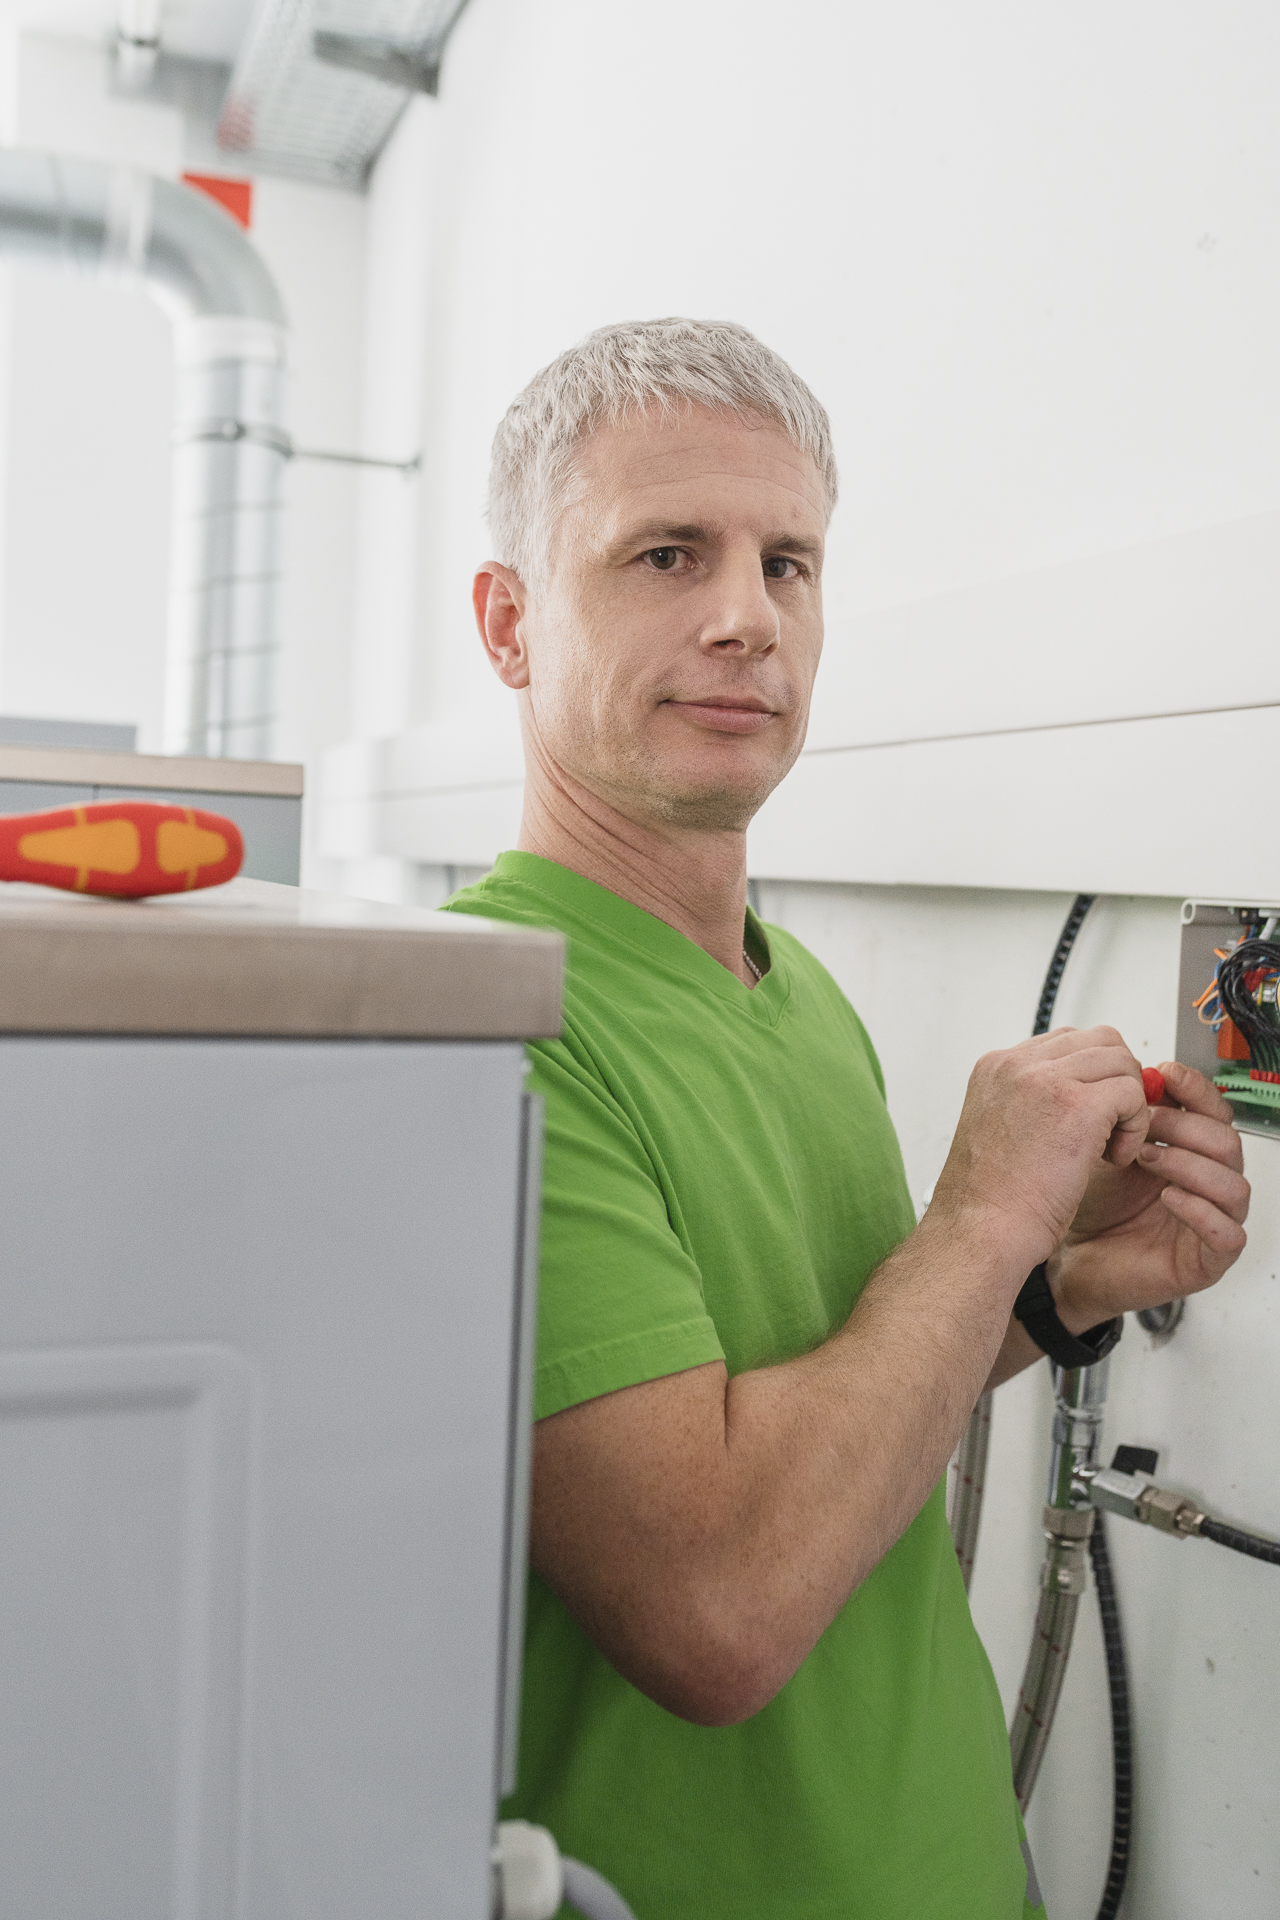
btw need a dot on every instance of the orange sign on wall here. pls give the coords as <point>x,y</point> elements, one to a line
<point>235,195</point>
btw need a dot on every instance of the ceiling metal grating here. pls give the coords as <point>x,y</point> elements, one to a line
<point>289,111</point>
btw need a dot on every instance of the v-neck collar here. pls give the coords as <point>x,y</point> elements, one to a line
<point>654,940</point>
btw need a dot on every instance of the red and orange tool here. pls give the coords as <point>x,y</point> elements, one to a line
<point>128,848</point>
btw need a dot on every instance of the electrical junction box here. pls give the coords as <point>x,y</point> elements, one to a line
<point>1210,928</point>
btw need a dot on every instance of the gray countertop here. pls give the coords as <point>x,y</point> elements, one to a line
<point>255,958</point>
<point>178,772</point>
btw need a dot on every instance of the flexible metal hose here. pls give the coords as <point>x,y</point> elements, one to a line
<point>1079,1400</point>
<point>1062,1581</point>
<point>969,1469</point>
<point>1041,1685</point>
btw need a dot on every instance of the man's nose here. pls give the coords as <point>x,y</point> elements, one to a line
<point>740,617</point>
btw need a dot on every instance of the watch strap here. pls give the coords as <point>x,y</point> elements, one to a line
<point>1035,1308</point>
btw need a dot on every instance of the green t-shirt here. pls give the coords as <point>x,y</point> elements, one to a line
<point>721,1177</point>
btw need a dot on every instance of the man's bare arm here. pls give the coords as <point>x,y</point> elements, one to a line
<point>706,1531</point>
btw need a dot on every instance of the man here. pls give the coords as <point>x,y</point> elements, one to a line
<point>752,1685</point>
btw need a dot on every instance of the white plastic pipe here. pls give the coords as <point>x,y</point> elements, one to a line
<point>230,445</point>
<point>139,20</point>
<point>137,41</point>
<point>532,1880</point>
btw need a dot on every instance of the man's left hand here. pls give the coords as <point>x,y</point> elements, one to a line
<point>1170,1224</point>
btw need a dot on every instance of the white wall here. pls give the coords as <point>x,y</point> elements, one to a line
<point>87,379</point>
<point>1024,255</point>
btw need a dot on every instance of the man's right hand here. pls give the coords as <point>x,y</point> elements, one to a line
<point>1036,1121</point>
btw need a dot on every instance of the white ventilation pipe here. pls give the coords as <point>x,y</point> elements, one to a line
<point>137,42</point>
<point>230,445</point>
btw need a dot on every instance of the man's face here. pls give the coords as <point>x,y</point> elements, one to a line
<point>673,646</point>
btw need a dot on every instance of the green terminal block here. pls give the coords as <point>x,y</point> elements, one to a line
<point>1256,1101</point>
<point>1212,930</point>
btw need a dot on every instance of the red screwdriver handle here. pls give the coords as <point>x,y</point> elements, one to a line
<point>128,848</point>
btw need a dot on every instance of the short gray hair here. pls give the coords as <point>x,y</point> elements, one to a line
<point>616,373</point>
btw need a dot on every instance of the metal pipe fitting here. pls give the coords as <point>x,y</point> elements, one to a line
<point>1135,1496</point>
<point>229,341</point>
<point>1079,1400</point>
<point>1066,1532</point>
<point>1063,1579</point>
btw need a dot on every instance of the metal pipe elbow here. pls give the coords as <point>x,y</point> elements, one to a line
<point>121,223</point>
<point>200,263</point>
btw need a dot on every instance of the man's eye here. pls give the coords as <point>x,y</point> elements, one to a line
<point>778,567</point>
<point>665,559</point>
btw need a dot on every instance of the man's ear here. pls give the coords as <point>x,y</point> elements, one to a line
<point>498,597</point>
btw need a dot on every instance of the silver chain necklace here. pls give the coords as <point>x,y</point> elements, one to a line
<point>759,975</point>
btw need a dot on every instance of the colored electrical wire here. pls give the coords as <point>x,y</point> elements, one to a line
<point>1208,1006</point>
<point>1241,977</point>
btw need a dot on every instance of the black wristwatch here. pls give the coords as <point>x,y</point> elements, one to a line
<point>1035,1308</point>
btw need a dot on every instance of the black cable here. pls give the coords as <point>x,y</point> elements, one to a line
<point>1241,1542</point>
<point>1121,1726</point>
<point>1053,979</point>
<point>1099,1555</point>
<point>1258,1026</point>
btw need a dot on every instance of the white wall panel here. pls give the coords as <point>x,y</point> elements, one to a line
<point>1171,626</point>
<point>442,793</point>
<point>1142,806</point>
<point>1023,256</point>
<point>966,740</point>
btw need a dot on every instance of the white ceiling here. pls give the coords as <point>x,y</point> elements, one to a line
<point>205,29</point>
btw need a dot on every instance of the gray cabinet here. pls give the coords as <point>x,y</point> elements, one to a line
<point>263,1410</point>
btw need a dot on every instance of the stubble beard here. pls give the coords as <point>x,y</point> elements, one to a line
<point>640,784</point>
